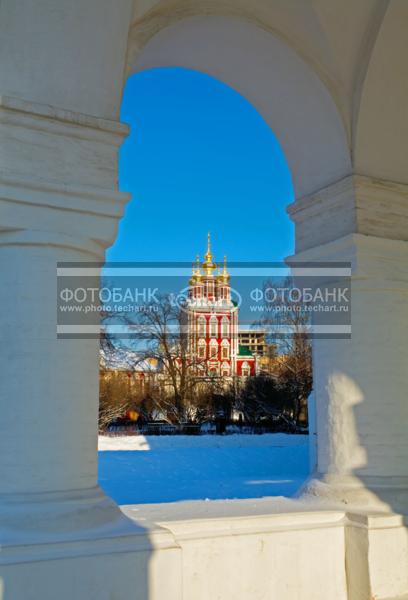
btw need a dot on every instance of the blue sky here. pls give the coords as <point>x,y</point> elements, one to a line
<point>199,158</point>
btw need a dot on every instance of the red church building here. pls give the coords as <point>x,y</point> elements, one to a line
<point>212,322</point>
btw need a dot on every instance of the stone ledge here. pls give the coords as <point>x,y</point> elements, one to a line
<point>324,198</point>
<point>355,204</point>
<point>47,111</point>
<point>60,525</point>
<point>339,546</point>
<point>134,541</point>
<point>27,237</point>
<point>257,516</point>
<point>65,197</point>
<point>354,248</point>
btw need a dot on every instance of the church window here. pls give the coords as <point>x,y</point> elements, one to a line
<point>225,327</point>
<point>201,349</point>
<point>225,349</point>
<point>213,326</point>
<point>213,348</point>
<point>201,326</point>
<point>245,369</point>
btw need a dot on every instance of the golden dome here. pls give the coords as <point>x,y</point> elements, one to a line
<point>224,276</point>
<point>196,271</point>
<point>208,265</point>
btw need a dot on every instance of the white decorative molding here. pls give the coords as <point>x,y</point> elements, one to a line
<point>65,197</point>
<point>323,199</point>
<point>45,113</point>
<point>26,237</point>
<point>59,173</point>
<point>375,258</point>
<point>354,204</point>
<point>324,216</point>
<point>381,207</point>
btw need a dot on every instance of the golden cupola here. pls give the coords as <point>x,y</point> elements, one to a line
<point>223,275</point>
<point>208,265</point>
<point>196,271</point>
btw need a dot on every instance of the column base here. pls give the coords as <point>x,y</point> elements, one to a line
<point>365,493</point>
<point>376,518</point>
<point>59,517</point>
<point>80,545</point>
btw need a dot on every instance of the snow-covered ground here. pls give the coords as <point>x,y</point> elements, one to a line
<point>151,469</point>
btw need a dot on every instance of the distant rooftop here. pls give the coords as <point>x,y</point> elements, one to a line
<point>244,351</point>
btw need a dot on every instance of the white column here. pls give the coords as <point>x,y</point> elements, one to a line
<point>360,384</point>
<point>58,202</point>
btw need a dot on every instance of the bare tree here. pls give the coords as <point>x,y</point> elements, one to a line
<point>114,399</point>
<point>121,387</point>
<point>184,385</point>
<point>288,321</point>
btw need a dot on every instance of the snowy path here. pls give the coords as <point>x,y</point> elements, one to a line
<point>139,469</point>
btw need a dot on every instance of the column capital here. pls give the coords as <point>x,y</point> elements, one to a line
<point>355,204</point>
<point>59,175</point>
<point>369,256</point>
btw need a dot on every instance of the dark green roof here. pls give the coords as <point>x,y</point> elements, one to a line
<point>244,351</point>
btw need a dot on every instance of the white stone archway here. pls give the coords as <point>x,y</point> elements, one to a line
<point>337,217</point>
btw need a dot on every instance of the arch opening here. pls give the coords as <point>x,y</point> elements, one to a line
<point>284,89</point>
<point>200,157</point>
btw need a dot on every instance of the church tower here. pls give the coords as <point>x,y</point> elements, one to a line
<point>213,319</point>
